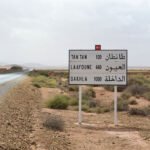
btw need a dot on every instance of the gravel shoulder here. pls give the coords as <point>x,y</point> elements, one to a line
<point>17,110</point>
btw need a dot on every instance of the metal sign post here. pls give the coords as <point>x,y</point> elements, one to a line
<point>115,106</point>
<point>98,67</point>
<point>80,105</point>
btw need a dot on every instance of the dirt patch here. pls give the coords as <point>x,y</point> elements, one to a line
<point>133,138</point>
<point>141,102</point>
<point>98,131</point>
<point>49,92</point>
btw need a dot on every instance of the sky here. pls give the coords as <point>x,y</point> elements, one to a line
<point>42,31</point>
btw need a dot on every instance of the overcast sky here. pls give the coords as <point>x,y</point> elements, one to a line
<point>42,31</point>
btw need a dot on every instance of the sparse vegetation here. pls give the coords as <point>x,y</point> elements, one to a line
<point>137,111</point>
<point>133,102</point>
<point>125,95</point>
<point>137,90</point>
<point>123,104</point>
<point>54,122</point>
<point>43,81</point>
<point>85,108</point>
<point>59,102</point>
<point>88,94</point>
<point>102,110</point>
<point>92,103</point>
<point>147,95</point>
<point>73,88</point>
<point>73,102</point>
<point>36,73</point>
<point>138,86</point>
<point>98,100</point>
<point>140,111</point>
<point>111,88</point>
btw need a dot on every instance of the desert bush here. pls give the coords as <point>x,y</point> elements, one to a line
<point>138,79</point>
<point>92,103</point>
<point>42,81</point>
<point>137,111</point>
<point>140,111</point>
<point>85,108</point>
<point>59,102</point>
<point>125,95</point>
<point>35,73</point>
<point>62,74</point>
<point>147,110</point>
<point>102,110</point>
<point>122,105</point>
<point>64,85</point>
<point>73,88</point>
<point>119,88</point>
<point>132,80</point>
<point>88,94</point>
<point>54,122</point>
<point>135,80</point>
<point>133,102</point>
<point>36,85</point>
<point>109,88</point>
<point>73,102</point>
<point>147,95</point>
<point>137,89</point>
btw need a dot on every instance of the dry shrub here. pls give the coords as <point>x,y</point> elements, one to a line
<point>88,94</point>
<point>119,88</point>
<point>125,95</point>
<point>59,102</point>
<point>54,122</point>
<point>137,89</point>
<point>43,81</point>
<point>73,88</point>
<point>140,111</point>
<point>147,95</point>
<point>122,105</point>
<point>133,102</point>
<point>73,101</point>
<point>92,103</point>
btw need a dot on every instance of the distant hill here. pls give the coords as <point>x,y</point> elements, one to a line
<point>10,68</point>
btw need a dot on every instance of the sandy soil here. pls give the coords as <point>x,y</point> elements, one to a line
<point>21,122</point>
<point>21,125</point>
<point>98,132</point>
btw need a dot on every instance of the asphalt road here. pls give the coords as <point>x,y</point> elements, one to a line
<point>8,81</point>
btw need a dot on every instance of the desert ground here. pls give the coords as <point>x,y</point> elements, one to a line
<point>23,112</point>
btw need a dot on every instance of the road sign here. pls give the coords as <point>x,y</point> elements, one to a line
<point>97,47</point>
<point>90,67</point>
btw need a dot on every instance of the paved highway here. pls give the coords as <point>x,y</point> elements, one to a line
<point>7,81</point>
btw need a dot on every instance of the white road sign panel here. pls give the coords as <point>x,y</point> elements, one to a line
<point>106,67</point>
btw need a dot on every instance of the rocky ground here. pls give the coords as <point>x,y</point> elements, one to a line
<point>21,125</point>
<point>17,111</point>
<point>98,131</point>
<point>21,122</point>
